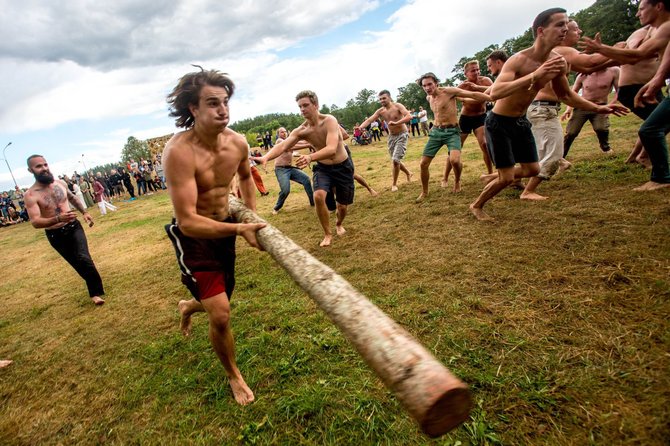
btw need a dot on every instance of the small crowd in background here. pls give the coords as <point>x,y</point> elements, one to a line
<point>101,188</point>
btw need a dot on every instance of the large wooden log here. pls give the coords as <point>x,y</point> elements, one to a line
<point>434,397</point>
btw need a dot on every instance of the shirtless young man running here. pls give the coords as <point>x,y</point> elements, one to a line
<point>507,129</point>
<point>544,117</point>
<point>473,114</point>
<point>334,168</point>
<point>445,130</point>
<point>396,116</point>
<point>48,204</point>
<point>199,165</point>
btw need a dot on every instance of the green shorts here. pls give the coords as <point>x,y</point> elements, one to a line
<point>439,137</point>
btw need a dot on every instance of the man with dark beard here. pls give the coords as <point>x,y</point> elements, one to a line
<point>48,208</point>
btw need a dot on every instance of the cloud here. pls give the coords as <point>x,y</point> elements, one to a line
<point>131,33</point>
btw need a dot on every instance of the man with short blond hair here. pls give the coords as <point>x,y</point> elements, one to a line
<point>473,114</point>
<point>334,168</point>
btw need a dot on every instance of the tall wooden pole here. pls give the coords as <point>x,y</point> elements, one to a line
<point>434,397</point>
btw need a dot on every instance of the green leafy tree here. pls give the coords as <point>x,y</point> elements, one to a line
<point>614,19</point>
<point>135,149</point>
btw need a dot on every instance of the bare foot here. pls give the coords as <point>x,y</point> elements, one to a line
<point>97,300</point>
<point>242,393</point>
<point>532,196</point>
<point>564,165</point>
<point>420,198</point>
<point>326,241</point>
<point>373,192</point>
<point>340,230</point>
<point>5,363</point>
<point>651,185</point>
<point>409,177</point>
<point>457,187</point>
<point>480,214</point>
<point>275,212</point>
<point>444,183</point>
<point>394,188</point>
<point>185,323</point>
<point>488,177</point>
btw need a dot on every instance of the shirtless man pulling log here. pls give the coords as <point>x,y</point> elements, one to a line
<point>199,165</point>
<point>507,129</point>
<point>445,129</point>
<point>48,204</point>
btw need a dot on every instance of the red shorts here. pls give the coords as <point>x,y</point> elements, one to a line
<point>207,265</point>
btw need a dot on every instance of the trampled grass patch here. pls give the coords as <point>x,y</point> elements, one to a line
<point>555,315</point>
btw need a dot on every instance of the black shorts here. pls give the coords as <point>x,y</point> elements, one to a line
<point>336,176</point>
<point>510,140</point>
<point>207,265</point>
<point>469,124</point>
<point>626,96</point>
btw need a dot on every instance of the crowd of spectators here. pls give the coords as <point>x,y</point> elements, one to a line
<point>145,176</point>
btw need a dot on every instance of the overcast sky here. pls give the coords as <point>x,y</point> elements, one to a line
<point>77,77</point>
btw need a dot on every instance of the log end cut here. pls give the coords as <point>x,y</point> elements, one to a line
<point>447,413</point>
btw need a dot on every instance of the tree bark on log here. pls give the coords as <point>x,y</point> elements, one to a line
<point>435,398</point>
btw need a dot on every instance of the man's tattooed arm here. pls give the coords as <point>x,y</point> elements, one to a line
<point>74,201</point>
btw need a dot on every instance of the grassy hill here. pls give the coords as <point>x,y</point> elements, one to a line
<point>556,315</point>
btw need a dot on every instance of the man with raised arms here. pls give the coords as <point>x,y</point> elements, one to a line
<point>334,168</point>
<point>508,132</point>
<point>473,114</point>
<point>48,204</point>
<point>199,165</point>
<point>396,116</point>
<point>445,130</point>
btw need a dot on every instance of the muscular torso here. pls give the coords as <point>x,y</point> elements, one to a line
<point>523,64</point>
<point>316,136</point>
<point>470,106</point>
<point>214,168</point>
<point>597,86</point>
<point>641,72</point>
<point>391,114</point>
<point>51,200</point>
<point>443,105</point>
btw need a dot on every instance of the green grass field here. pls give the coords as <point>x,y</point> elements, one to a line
<point>556,315</point>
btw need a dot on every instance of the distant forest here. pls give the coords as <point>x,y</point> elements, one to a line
<point>614,19</point>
